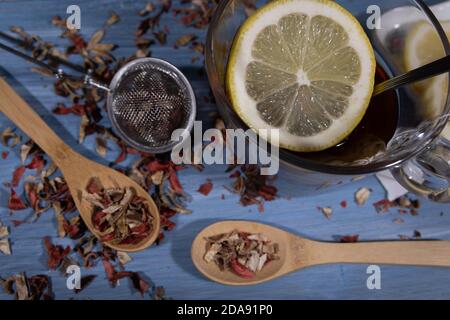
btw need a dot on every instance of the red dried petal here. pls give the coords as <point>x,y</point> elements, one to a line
<point>235,174</point>
<point>37,163</point>
<point>5,154</point>
<point>122,156</point>
<point>139,284</point>
<point>241,270</point>
<point>109,270</point>
<point>56,253</point>
<point>108,237</point>
<point>15,203</point>
<point>33,199</point>
<point>17,175</point>
<point>93,186</point>
<point>206,188</point>
<point>383,205</point>
<point>349,238</point>
<point>17,223</point>
<point>174,182</point>
<point>344,204</point>
<point>157,165</point>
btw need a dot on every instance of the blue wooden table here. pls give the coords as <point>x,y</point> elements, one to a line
<point>169,264</point>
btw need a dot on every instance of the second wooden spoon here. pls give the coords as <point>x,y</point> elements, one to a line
<point>299,253</point>
<point>77,170</point>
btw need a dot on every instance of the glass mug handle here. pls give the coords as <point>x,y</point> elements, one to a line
<point>428,174</point>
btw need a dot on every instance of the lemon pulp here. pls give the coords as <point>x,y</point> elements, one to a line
<point>304,67</point>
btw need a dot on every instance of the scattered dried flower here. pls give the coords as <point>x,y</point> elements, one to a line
<point>362,195</point>
<point>206,188</point>
<point>327,212</point>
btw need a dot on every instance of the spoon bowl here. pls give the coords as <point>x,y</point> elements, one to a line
<point>77,175</point>
<point>298,253</point>
<point>76,169</point>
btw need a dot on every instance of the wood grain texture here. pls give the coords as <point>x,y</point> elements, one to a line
<point>170,264</point>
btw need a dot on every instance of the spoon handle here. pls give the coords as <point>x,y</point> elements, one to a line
<point>420,253</point>
<point>432,69</point>
<point>19,112</point>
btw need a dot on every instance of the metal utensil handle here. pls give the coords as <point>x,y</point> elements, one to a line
<point>422,73</point>
<point>24,44</point>
<point>58,73</point>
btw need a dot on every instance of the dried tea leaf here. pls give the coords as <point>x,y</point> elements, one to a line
<point>56,253</point>
<point>327,212</point>
<point>160,294</point>
<point>123,257</point>
<point>161,36</point>
<point>101,146</point>
<point>185,39</point>
<point>9,135</point>
<point>22,292</point>
<point>51,169</point>
<point>5,247</point>
<point>96,38</point>
<point>3,231</point>
<point>17,175</point>
<point>205,188</point>
<point>157,177</point>
<point>43,71</point>
<point>83,125</point>
<point>60,221</point>
<point>25,150</point>
<point>113,18</point>
<point>362,195</point>
<point>349,238</point>
<point>15,203</point>
<point>149,7</point>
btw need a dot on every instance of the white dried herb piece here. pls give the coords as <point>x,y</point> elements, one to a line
<point>240,252</point>
<point>5,247</point>
<point>123,257</point>
<point>83,125</point>
<point>113,18</point>
<point>157,177</point>
<point>8,135</point>
<point>362,195</point>
<point>101,146</point>
<point>327,212</point>
<point>3,231</point>
<point>59,218</point>
<point>25,150</point>
<point>358,178</point>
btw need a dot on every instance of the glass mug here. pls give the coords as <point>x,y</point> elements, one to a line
<point>417,154</point>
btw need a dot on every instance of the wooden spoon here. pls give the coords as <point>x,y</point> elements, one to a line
<point>77,170</point>
<point>298,253</point>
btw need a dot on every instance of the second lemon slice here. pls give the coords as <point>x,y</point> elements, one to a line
<point>305,67</point>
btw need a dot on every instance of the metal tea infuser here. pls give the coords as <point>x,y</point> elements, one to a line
<point>147,100</point>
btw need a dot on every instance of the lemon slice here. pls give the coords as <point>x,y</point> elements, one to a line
<point>423,46</point>
<point>305,67</point>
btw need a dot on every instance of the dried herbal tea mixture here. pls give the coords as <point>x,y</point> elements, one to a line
<point>242,253</point>
<point>119,215</point>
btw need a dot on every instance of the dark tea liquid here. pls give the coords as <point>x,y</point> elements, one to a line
<point>373,133</point>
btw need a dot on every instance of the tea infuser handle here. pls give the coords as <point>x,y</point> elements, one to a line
<point>429,173</point>
<point>87,78</point>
